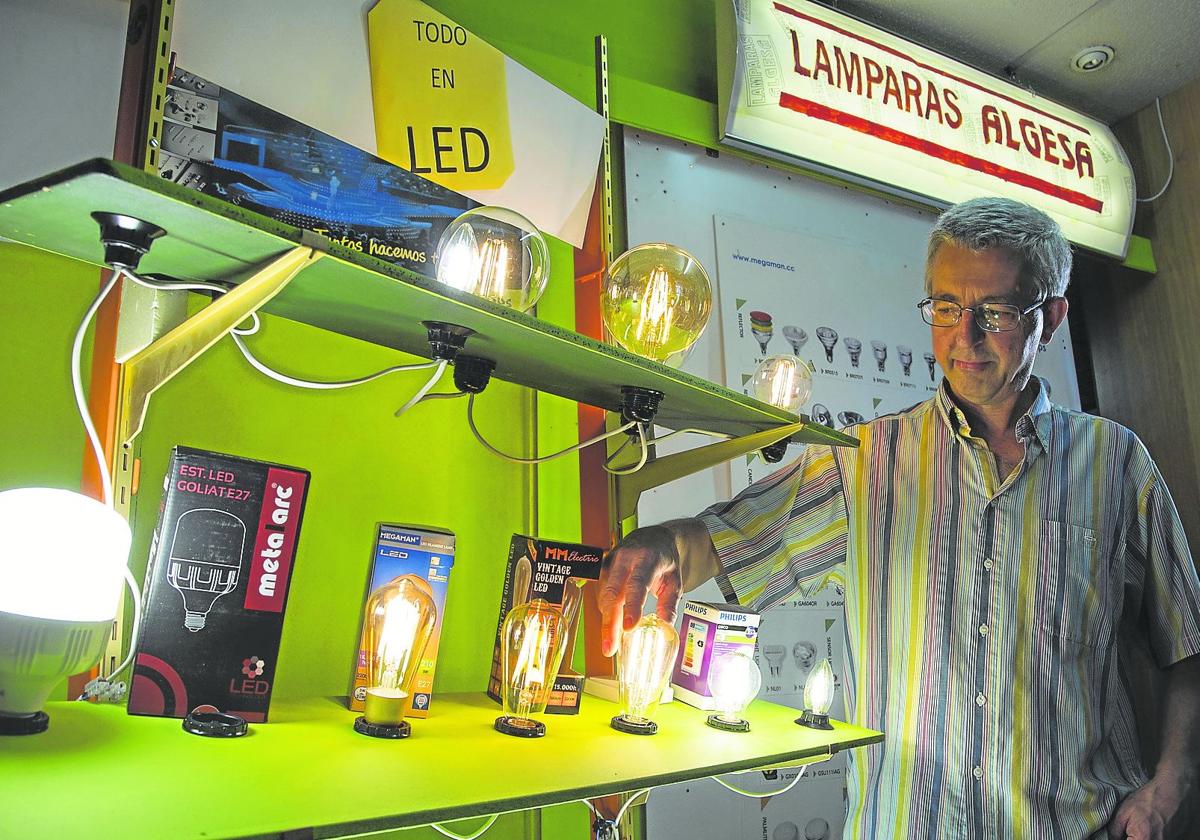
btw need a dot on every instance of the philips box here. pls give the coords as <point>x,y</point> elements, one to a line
<point>554,572</point>
<point>428,554</point>
<point>709,631</point>
<point>220,566</point>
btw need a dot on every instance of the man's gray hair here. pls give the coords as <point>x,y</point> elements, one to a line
<point>1031,235</point>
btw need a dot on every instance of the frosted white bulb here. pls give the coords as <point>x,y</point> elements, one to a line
<point>733,681</point>
<point>782,381</point>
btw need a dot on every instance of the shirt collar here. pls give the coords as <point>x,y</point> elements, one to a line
<point>1027,424</point>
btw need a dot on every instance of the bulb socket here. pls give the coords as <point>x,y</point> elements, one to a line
<point>24,724</point>
<point>392,731</point>
<point>621,723</point>
<point>445,340</point>
<point>639,405</point>
<point>719,722</point>
<point>125,239</point>
<point>520,727</point>
<point>774,453</point>
<point>814,720</point>
<point>472,373</point>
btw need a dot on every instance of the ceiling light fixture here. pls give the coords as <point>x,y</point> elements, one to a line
<point>1091,59</point>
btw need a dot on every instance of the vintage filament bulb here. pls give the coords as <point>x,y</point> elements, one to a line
<point>497,254</point>
<point>782,381</point>
<point>644,665</point>
<point>399,620</point>
<point>532,648</point>
<point>733,681</point>
<point>818,697</point>
<point>655,301</point>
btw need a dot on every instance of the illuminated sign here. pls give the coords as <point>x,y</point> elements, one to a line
<point>809,85</point>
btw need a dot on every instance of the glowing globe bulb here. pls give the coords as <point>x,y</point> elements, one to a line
<point>532,647</point>
<point>818,697</point>
<point>655,301</point>
<point>782,381</point>
<point>399,621</point>
<point>644,665</point>
<point>496,254</point>
<point>733,681</point>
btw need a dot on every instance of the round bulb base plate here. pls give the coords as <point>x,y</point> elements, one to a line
<point>382,730</point>
<point>814,720</point>
<point>718,722</point>
<point>633,727</point>
<point>520,727</point>
<point>24,724</point>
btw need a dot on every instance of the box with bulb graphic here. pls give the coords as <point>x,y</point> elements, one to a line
<point>427,553</point>
<point>555,572</point>
<point>709,631</point>
<point>221,564</point>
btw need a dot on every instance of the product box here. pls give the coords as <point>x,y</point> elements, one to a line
<point>554,572</point>
<point>234,149</point>
<point>708,631</point>
<point>428,554</point>
<point>221,563</point>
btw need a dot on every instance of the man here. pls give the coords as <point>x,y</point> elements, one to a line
<point>995,549</point>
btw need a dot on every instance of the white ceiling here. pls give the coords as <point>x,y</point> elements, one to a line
<point>1156,43</point>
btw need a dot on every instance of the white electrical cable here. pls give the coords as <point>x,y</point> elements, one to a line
<point>543,458</point>
<point>448,833</point>
<point>1170,153</point>
<point>641,461</point>
<point>616,822</point>
<point>679,432</point>
<point>761,795</point>
<point>424,389</point>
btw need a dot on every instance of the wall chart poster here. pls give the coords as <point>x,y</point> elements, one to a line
<point>850,313</point>
<point>239,151</point>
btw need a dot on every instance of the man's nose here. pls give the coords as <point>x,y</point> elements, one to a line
<point>967,330</point>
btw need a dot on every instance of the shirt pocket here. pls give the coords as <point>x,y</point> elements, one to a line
<point>1072,584</point>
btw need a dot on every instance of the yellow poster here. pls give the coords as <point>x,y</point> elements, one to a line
<point>453,109</point>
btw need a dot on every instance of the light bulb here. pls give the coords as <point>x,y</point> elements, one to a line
<point>930,361</point>
<point>879,349</point>
<point>775,655</point>
<point>782,381</point>
<point>655,301</point>
<point>795,337</point>
<point>818,697</point>
<point>398,623</point>
<point>205,561</point>
<point>761,328</point>
<point>804,653</point>
<point>821,415</point>
<point>828,338</point>
<point>853,348</point>
<point>644,665</point>
<point>733,681</point>
<point>531,650</point>
<point>497,254</point>
<point>905,354</point>
<point>62,560</point>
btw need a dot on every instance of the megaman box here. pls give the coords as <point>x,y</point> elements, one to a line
<point>221,563</point>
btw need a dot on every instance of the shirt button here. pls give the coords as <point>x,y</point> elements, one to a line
<point>977,772</point>
<point>987,564</point>
<point>980,699</point>
<point>983,629</point>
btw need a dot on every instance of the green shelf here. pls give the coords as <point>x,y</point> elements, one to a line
<point>309,770</point>
<point>360,296</point>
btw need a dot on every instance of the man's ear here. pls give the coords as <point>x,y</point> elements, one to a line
<point>1055,311</point>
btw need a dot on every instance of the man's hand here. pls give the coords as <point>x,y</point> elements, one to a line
<point>645,561</point>
<point>1161,809</point>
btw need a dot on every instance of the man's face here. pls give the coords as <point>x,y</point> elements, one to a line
<point>984,368</point>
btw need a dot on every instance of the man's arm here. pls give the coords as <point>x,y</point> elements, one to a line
<point>1166,805</point>
<point>667,559</point>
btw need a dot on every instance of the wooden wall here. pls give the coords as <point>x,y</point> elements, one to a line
<point>1145,331</point>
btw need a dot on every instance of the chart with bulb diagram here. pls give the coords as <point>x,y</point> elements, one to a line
<point>848,312</point>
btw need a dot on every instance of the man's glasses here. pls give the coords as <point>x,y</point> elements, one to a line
<point>989,317</point>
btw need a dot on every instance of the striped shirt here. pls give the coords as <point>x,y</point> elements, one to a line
<point>983,612</point>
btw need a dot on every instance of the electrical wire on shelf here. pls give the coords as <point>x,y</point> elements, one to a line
<point>543,458</point>
<point>445,832</point>
<point>760,795</point>
<point>424,390</point>
<point>616,821</point>
<point>641,431</point>
<point>1170,153</point>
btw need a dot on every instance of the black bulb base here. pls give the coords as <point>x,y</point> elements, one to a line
<point>125,239</point>
<point>382,730</point>
<point>774,453</point>
<point>520,727</point>
<point>639,405</point>
<point>726,725</point>
<point>472,373</point>
<point>445,340</point>
<point>621,723</point>
<point>814,720</point>
<point>24,724</point>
